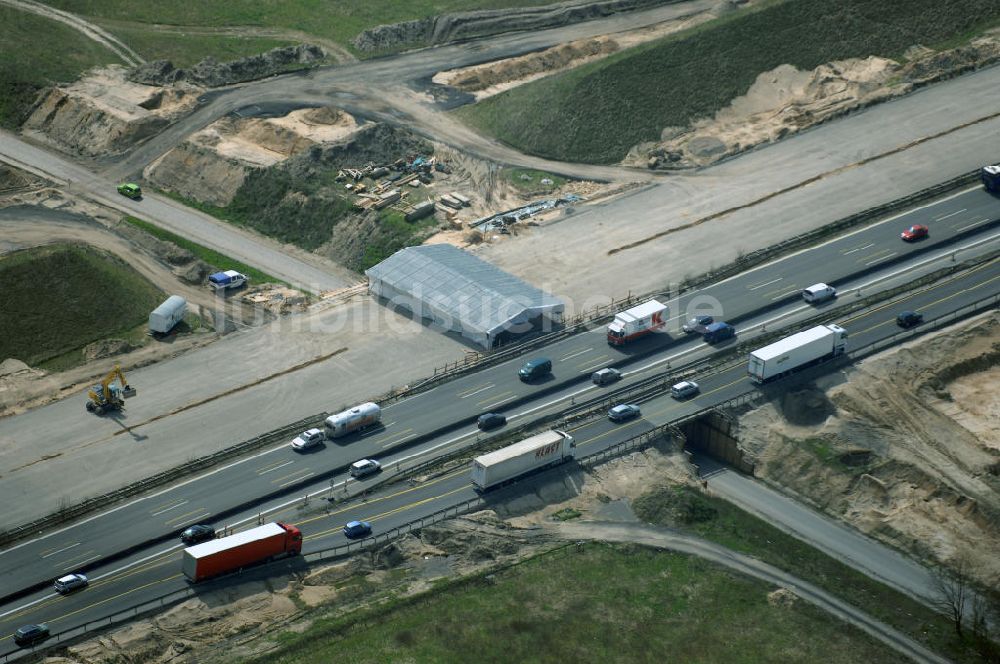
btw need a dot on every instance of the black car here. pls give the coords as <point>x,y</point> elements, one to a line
<point>29,635</point>
<point>198,533</point>
<point>489,421</point>
<point>909,318</point>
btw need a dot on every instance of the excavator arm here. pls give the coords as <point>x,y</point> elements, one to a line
<point>110,393</point>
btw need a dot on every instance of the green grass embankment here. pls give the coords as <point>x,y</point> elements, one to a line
<point>592,603</point>
<point>210,256</point>
<point>36,52</point>
<point>57,299</point>
<point>596,112</point>
<point>337,21</point>
<point>722,522</point>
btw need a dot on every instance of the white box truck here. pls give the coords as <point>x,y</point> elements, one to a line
<point>794,352</point>
<point>164,317</point>
<point>353,419</point>
<point>636,322</point>
<point>545,449</point>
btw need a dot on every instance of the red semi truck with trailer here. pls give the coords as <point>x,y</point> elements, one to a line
<point>636,322</point>
<point>226,554</point>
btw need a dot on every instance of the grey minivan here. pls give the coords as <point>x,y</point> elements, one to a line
<point>535,369</point>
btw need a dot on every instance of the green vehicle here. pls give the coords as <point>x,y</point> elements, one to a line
<point>130,189</point>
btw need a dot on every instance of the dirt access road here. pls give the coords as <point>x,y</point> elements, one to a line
<point>383,88</point>
<point>302,269</point>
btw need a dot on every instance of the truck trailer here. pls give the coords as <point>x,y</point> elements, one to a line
<point>540,451</point>
<point>636,322</point>
<point>354,419</point>
<point>990,176</point>
<point>164,317</point>
<point>794,352</point>
<point>226,554</point>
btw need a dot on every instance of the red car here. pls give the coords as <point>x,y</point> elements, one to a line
<point>914,233</point>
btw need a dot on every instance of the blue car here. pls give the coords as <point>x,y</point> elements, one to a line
<point>357,529</point>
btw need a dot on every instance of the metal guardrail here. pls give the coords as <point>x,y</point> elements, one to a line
<point>636,442</point>
<point>132,613</point>
<point>141,486</point>
<point>480,360</point>
<point>745,262</point>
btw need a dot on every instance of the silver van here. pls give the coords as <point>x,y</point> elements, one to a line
<point>819,293</point>
<point>684,389</point>
<point>606,376</point>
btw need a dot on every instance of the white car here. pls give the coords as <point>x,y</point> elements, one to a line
<point>307,439</point>
<point>67,584</point>
<point>365,467</point>
<point>684,389</point>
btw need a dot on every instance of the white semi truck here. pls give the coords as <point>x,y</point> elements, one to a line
<point>354,419</point>
<point>539,451</point>
<point>794,352</point>
<point>636,322</point>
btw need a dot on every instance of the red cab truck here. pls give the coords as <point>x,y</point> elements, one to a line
<point>218,556</point>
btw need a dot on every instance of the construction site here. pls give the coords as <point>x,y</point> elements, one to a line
<point>191,326</point>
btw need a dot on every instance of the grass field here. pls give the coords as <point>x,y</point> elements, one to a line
<point>185,50</point>
<point>210,256</point>
<point>527,179</point>
<point>720,521</point>
<point>592,603</point>
<point>338,21</point>
<point>59,298</point>
<point>28,61</point>
<point>304,209</point>
<point>392,233</point>
<point>597,112</point>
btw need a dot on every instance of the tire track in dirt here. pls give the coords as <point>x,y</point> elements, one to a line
<point>743,564</point>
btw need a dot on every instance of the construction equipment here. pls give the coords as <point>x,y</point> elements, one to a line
<point>110,393</point>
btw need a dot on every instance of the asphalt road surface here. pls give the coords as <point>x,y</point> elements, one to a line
<point>76,446</point>
<point>154,569</point>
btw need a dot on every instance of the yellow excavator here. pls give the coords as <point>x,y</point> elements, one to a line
<point>110,393</point>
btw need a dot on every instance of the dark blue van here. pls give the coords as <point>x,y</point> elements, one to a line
<point>717,332</point>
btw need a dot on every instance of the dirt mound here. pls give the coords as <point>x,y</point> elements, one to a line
<point>199,173</point>
<point>104,113</point>
<point>12,179</point>
<point>378,143</point>
<point>211,73</point>
<point>786,100</point>
<point>524,67</point>
<point>483,23</point>
<point>106,348</point>
<point>910,454</point>
<point>213,163</point>
<point>11,366</point>
<point>806,406</point>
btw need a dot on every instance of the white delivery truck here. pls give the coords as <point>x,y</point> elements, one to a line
<point>636,322</point>
<point>791,353</point>
<point>354,419</point>
<point>539,451</point>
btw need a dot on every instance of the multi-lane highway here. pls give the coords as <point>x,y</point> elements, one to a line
<point>440,420</point>
<point>154,571</point>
